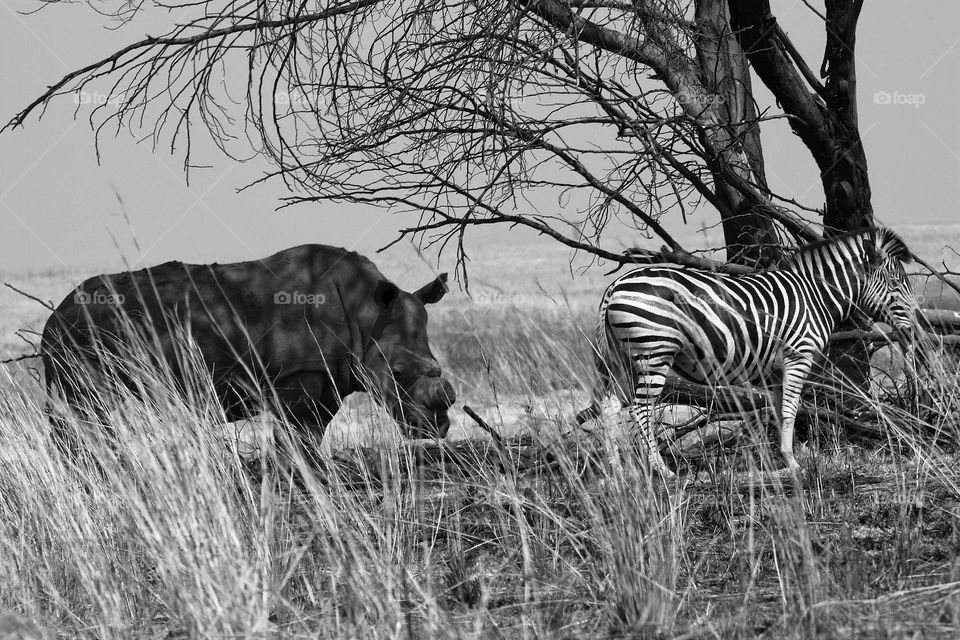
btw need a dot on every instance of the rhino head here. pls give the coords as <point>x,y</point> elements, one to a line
<point>400,369</point>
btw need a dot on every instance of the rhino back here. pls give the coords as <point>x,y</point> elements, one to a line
<point>236,313</point>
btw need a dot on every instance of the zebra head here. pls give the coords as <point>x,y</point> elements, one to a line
<point>887,294</point>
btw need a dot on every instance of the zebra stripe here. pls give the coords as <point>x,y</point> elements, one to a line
<point>739,329</point>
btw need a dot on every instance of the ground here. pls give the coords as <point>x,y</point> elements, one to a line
<point>172,531</point>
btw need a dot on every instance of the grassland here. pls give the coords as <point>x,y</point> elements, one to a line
<point>165,531</point>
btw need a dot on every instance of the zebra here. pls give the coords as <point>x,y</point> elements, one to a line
<point>712,327</point>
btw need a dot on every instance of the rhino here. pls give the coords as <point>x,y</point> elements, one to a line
<point>297,331</point>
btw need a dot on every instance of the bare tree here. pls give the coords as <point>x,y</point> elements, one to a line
<point>551,114</point>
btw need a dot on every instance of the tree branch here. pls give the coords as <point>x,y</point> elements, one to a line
<point>114,61</point>
<point>757,30</point>
<point>798,60</point>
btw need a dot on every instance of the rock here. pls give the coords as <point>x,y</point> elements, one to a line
<point>15,627</point>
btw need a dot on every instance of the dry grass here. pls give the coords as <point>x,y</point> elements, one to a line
<point>169,529</point>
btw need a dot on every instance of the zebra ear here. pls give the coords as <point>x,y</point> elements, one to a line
<point>874,257</point>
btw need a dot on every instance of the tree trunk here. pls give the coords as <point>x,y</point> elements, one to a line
<point>749,235</point>
<point>846,185</point>
<point>824,116</point>
<point>845,180</point>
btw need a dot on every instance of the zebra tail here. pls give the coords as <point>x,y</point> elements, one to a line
<point>602,363</point>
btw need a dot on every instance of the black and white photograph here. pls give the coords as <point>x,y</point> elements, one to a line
<point>429,319</point>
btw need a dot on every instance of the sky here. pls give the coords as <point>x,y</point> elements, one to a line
<point>59,208</point>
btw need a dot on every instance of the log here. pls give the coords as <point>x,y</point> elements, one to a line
<point>716,397</point>
<point>942,319</point>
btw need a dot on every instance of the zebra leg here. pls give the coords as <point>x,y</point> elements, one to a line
<point>795,372</point>
<point>649,386</point>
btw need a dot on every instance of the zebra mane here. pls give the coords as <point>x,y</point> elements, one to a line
<point>893,245</point>
<point>885,239</point>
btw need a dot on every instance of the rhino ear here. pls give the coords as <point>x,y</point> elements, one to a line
<point>386,293</point>
<point>433,291</point>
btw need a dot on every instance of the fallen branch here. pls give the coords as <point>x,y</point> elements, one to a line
<point>942,318</point>
<point>937,318</point>
<point>882,336</point>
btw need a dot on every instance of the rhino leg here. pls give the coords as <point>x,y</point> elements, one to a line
<point>308,402</point>
<point>77,407</point>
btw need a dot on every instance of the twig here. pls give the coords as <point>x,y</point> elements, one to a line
<point>20,358</point>
<point>505,462</point>
<point>936,273</point>
<point>48,305</point>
